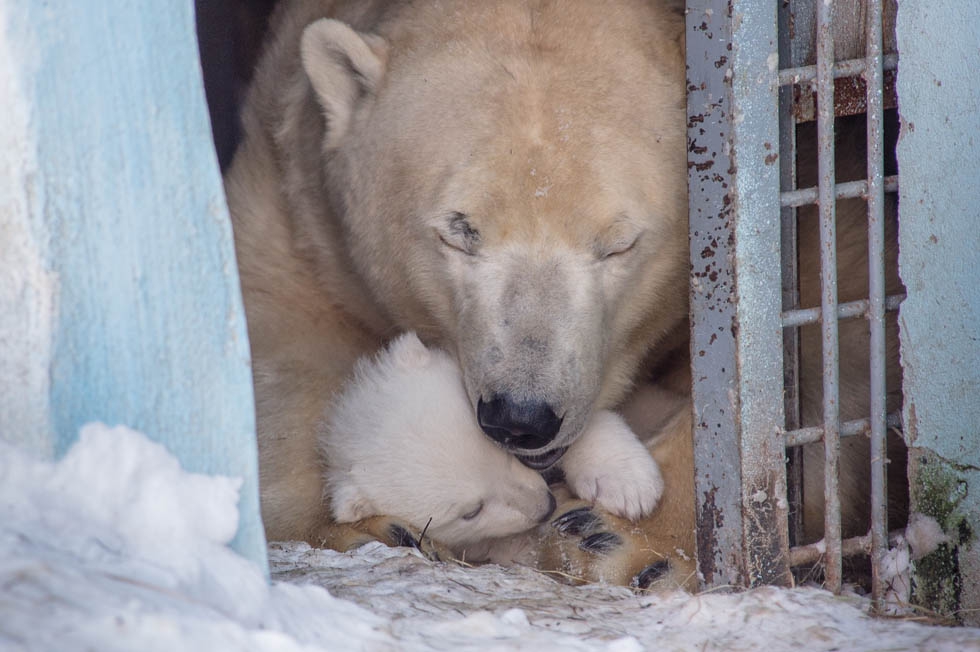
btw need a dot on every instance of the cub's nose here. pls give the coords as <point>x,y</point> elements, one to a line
<point>518,425</point>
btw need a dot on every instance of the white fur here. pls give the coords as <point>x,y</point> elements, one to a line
<point>401,440</point>
<point>384,185</point>
<point>609,466</point>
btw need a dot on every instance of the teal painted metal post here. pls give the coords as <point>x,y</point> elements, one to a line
<point>119,294</point>
<point>939,156</point>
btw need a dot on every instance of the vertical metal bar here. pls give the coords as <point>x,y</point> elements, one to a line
<point>740,474</point>
<point>790,275</point>
<point>873,76</point>
<point>828,285</point>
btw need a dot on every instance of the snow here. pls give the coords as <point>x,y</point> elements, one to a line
<point>115,547</point>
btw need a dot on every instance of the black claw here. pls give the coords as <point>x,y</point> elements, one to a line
<point>577,522</point>
<point>400,537</point>
<point>649,575</point>
<point>600,543</point>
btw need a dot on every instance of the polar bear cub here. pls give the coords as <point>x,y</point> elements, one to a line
<point>401,440</point>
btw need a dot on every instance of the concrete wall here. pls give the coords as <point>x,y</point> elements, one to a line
<point>939,204</point>
<point>119,295</point>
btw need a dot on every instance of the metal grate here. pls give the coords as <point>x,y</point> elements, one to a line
<point>732,49</point>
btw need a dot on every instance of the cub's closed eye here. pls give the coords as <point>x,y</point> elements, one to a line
<point>471,515</point>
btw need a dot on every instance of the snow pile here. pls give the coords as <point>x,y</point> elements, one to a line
<point>116,548</point>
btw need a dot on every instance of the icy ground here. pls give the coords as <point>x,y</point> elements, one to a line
<point>116,548</point>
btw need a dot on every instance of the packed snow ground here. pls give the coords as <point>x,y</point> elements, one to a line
<point>116,548</point>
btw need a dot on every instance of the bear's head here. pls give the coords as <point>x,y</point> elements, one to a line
<point>510,182</point>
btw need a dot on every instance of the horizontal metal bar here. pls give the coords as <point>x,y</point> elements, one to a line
<point>812,552</point>
<point>849,310</point>
<point>814,434</point>
<point>846,68</point>
<point>846,190</point>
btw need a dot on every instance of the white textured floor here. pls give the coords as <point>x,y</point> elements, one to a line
<point>116,548</point>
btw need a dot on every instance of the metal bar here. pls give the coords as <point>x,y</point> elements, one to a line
<point>846,190</point>
<point>846,68</point>
<point>790,279</point>
<point>736,348</point>
<point>849,310</point>
<point>828,283</point>
<point>813,434</point>
<point>813,552</point>
<point>876,295</point>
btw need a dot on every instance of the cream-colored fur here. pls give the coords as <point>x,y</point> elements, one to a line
<point>506,178</point>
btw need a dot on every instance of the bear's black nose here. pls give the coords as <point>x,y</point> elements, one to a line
<point>518,425</point>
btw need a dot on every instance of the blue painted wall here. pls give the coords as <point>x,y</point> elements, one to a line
<point>120,287</point>
<point>939,204</point>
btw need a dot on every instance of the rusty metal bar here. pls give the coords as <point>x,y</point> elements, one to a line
<point>849,310</point>
<point>846,68</point>
<point>734,209</point>
<point>813,552</point>
<point>813,434</point>
<point>828,282</point>
<point>873,75</point>
<point>846,190</point>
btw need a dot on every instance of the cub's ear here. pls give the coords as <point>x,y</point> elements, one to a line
<point>349,504</point>
<point>408,352</point>
<point>343,66</point>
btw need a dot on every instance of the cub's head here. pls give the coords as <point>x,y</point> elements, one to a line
<point>401,441</point>
<point>511,183</point>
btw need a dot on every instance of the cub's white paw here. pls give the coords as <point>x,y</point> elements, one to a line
<point>609,467</point>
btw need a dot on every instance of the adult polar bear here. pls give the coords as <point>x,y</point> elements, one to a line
<point>506,178</point>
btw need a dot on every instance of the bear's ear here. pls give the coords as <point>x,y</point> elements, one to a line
<point>343,67</point>
<point>349,504</point>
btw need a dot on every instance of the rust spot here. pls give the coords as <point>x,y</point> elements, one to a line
<point>707,252</point>
<point>933,239</point>
<point>771,158</point>
<point>721,61</point>
<point>710,519</point>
